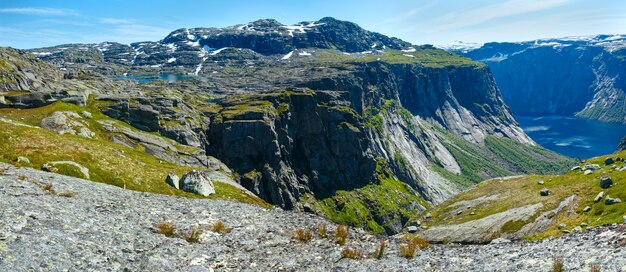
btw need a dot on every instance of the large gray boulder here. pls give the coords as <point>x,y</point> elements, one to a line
<point>173,180</point>
<point>606,182</point>
<point>197,183</point>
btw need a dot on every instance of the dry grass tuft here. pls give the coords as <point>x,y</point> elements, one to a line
<point>67,194</point>
<point>220,227</point>
<point>2,170</point>
<point>303,235</point>
<point>407,250</point>
<point>21,178</point>
<point>594,267</point>
<point>341,235</point>
<point>378,254</point>
<point>194,235</point>
<point>351,253</point>
<point>47,187</point>
<point>322,231</point>
<point>165,227</point>
<point>557,264</point>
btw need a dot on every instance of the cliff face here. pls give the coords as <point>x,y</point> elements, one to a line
<point>582,76</point>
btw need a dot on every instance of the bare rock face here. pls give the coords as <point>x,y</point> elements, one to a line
<point>198,183</point>
<point>67,122</point>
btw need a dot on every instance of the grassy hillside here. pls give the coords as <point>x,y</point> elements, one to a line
<point>499,195</point>
<point>107,162</point>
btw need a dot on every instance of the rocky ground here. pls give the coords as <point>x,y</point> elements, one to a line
<point>77,225</point>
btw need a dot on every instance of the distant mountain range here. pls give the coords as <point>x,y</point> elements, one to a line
<point>583,76</point>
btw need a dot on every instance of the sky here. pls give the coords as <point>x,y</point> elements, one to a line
<point>30,24</point>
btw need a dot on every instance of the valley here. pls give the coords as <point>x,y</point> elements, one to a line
<point>313,146</point>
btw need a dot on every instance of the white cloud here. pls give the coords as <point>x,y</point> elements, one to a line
<point>40,11</point>
<point>478,15</point>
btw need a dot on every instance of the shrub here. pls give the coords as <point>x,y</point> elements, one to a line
<point>322,231</point>
<point>220,227</point>
<point>165,227</point>
<point>351,253</point>
<point>594,267</point>
<point>378,254</point>
<point>303,235</point>
<point>341,235</point>
<point>557,264</point>
<point>194,235</point>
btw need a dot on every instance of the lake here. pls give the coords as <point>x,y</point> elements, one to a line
<point>573,136</point>
<point>144,78</point>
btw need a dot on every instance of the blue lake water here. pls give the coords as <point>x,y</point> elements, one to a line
<point>573,136</point>
<point>144,78</point>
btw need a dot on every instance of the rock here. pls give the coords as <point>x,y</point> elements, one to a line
<point>544,192</point>
<point>591,166</point>
<point>605,182</point>
<point>608,161</point>
<point>173,180</point>
<point>562,226</point>
<point>540,182</point>
<point>428,216</point>
<point>611,201</point>
<point>21,159</point>
<point>66,122</point>
<point>624,218</point>
<point>52,167</point>
<point>577,229</point>
<point>500,241</point>
<point>87,114</point>
<point>575,168</point>
<point>599,197</point>
<point>588,172</point>
<point>586,209</point>
<point>412,229</point>
<point>415,223</point>
<point>197,183</point>
<point>583,224</point>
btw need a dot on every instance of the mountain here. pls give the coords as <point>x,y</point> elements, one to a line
<point>581,76</point>
<point>534,206</point>
<point>321,116</point>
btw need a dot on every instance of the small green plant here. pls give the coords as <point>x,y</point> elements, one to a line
<point>220,227</point>
<point>165,227</point>
<point>381,250</point>
<point>341,235</point>
<point>322,231</point>
<point>303,235</point>
<point>194,235</point>
<point>351,253</point>
<point>594,267</point>
<point>557,264</point>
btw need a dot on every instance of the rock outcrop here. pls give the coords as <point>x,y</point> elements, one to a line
<point>198,183</point>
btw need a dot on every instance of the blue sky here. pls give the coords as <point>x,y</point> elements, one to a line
<point>29,24</point>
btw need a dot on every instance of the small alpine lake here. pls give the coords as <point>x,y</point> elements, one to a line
<point>573,136</point>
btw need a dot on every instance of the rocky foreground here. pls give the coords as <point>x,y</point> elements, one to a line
<point>50,222</point>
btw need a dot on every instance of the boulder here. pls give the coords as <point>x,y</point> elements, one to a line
<point>586,209</point>
<point>412,229</point>
<point>599,197</point>
<point>606,182</point>
<point>591,167</point>
<point>577,229</point>
<point>540,182</point>
<point>197,183</point>
<point>583,224</point>
<point>52,167</point>
<point>21,159</point>
<point>610,201</point>
<point>588,172</point>
<point>415,223</point>
<point>544,192</point>
<point>173,180</point>
<point>575,168</point>
<point>500,241</point>
<point>562,226</point>
<point>66,122</point>
<point>608,161</point>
